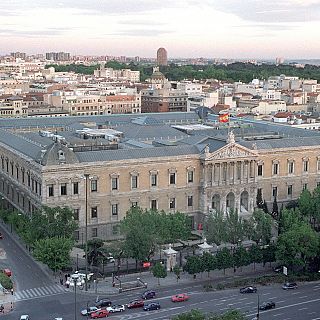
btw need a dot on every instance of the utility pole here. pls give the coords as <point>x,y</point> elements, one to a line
<point>86,233</point>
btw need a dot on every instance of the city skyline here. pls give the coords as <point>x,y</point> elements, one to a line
<point>189,28</point>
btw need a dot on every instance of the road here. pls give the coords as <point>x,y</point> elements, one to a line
<point>39,296</point>
<point>302,303</point>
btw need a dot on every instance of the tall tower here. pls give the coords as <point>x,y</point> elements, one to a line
<point>162,57</point>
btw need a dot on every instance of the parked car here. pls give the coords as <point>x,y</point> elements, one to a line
<point>138,303</point>
<point>180,297</point>
<point>116,308</point>
<point>152,306</point>
<point>289,285</point>
<point>7,271</point>
<point>102,303</point>
<point>89,310</point>
<point>267,305</point>
<point>24,317</point>
<point>99,314</point>
<point>150,294</point>
<point>248,290</point>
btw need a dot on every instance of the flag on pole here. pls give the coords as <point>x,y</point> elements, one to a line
<point>224,117</point>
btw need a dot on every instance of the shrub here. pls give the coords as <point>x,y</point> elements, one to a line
<point>5,281</point>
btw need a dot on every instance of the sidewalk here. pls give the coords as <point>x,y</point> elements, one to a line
<point>7,300</point>
<point>104,286</point>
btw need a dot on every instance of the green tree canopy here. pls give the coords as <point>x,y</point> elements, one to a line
<point>215,228</point>
<point>224,259</point>
<point>261,223</point>
<point>234,226</point>
<point>193,265</point>
<point>55,252</point>
<point>159,271</point>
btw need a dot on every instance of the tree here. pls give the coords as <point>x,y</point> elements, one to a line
<point>268,254</point>
<point>215,228</point>
<point>193,265</point>
<point>255,255</point>
<point>234,226</point>
<point>261,227</point>
<point>241,257</point>
<point>224,259</point>
<point>159,271</point>
<point>259,199</point>
<point>55,252</point>
<point>209,262</point>
<point>305,203</point>
<point>191,315</point>
<point>95,251</point>
<point>275,210</point>
<point>288,219</point>
<point>298,245</point>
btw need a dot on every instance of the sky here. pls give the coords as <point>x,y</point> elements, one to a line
<point>186,28</point>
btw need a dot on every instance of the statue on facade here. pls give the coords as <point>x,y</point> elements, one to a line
<point>231,137</point>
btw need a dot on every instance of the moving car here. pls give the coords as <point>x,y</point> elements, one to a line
<point>8,272</point>
<point>289,285</point>
<point>138,303</point>
<point>152,306</point>
<point>278,269</point>
<point>103,303</point>
<point>148,294</point>
<point>89,310</point>
<point>24,317</point>
<point>180,297</point>
<point>1,236</point>
<point>267,305</point>
<point>248,290</point>
<point>102,313</point>
<point>116,308</point>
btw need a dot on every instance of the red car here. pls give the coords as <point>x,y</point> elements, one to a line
<point>99,314</point>
<point>180,297</point>
<point>135,304</point>
<point>8,272</point>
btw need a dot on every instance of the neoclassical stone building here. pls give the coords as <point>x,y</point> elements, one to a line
<point>101,166</point>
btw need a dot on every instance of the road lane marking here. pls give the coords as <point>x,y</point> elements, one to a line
<point>298,292</point>
<point>278,314</point>
<point>303,309</point>
<point>303,297</point>
<point>265,294</point>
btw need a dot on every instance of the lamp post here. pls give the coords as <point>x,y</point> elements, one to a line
<point>86,233</point>
<point>76,281</point>
<point>258,313</point>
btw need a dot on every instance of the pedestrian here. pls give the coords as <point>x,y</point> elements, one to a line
<point>61,281</point>
<point>11,291</point>
<point>2,308</point>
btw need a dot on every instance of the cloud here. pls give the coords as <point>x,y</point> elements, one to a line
<point>141,33</point>
<point>141,22</point>
<point>33,33</point>
<point>270,11</point>
<point>268,27</point>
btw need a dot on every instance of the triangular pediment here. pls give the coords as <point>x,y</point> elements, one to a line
<point>231,151</point>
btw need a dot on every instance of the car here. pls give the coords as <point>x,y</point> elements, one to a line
<point>24,317</point>
<point>116,308</point>
<point>180,297</point>
<point>289,285</point>
<point>89,310</point>
<point>102,313</point>
<point>152,306</point>
<point>138,303</point>
<point>150,294</point>
<point>103,303</point>
<point>7,272</point>
<point>1,235</point>
<point>267,305</point>
<point>248,290</point>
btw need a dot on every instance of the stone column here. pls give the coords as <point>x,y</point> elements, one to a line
<point>227,173</point>
<point>235,172</point>
<point>242,171</point>
<point>220,173</point>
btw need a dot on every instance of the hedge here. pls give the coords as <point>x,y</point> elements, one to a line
<point>5,281</point>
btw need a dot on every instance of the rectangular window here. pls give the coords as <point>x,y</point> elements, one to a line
<point>172,203</point>
<point>154,180</point>
<point>134,204</point>
<point>114,183</point>
<point>290,167</point>
<point>318,184</point>
<point>134,182</point>
<point>94,212</point>
<point>290,191</point>
<point>63,189</point>
<point>114,209</point>
<point>115,230</point>
<point>77,235</point>
<point>190,201</point>
<point>50,190</point>
<point>94,185</point>
<point>153,204</point>
<point>94,232</point>
<point>275,192</point>
<point>76,188</point>
<point>305,166</point>
<point>190,176</point>
<point>260,170</point>
<point>76,214</point>
<point>172,178</point>
<point>275,168</point>
<point>305,186</point>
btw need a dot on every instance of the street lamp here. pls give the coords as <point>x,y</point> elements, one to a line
<point>86,233</point>
<point>76,280</point>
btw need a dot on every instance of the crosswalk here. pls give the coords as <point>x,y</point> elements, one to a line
<point>39,292</point>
